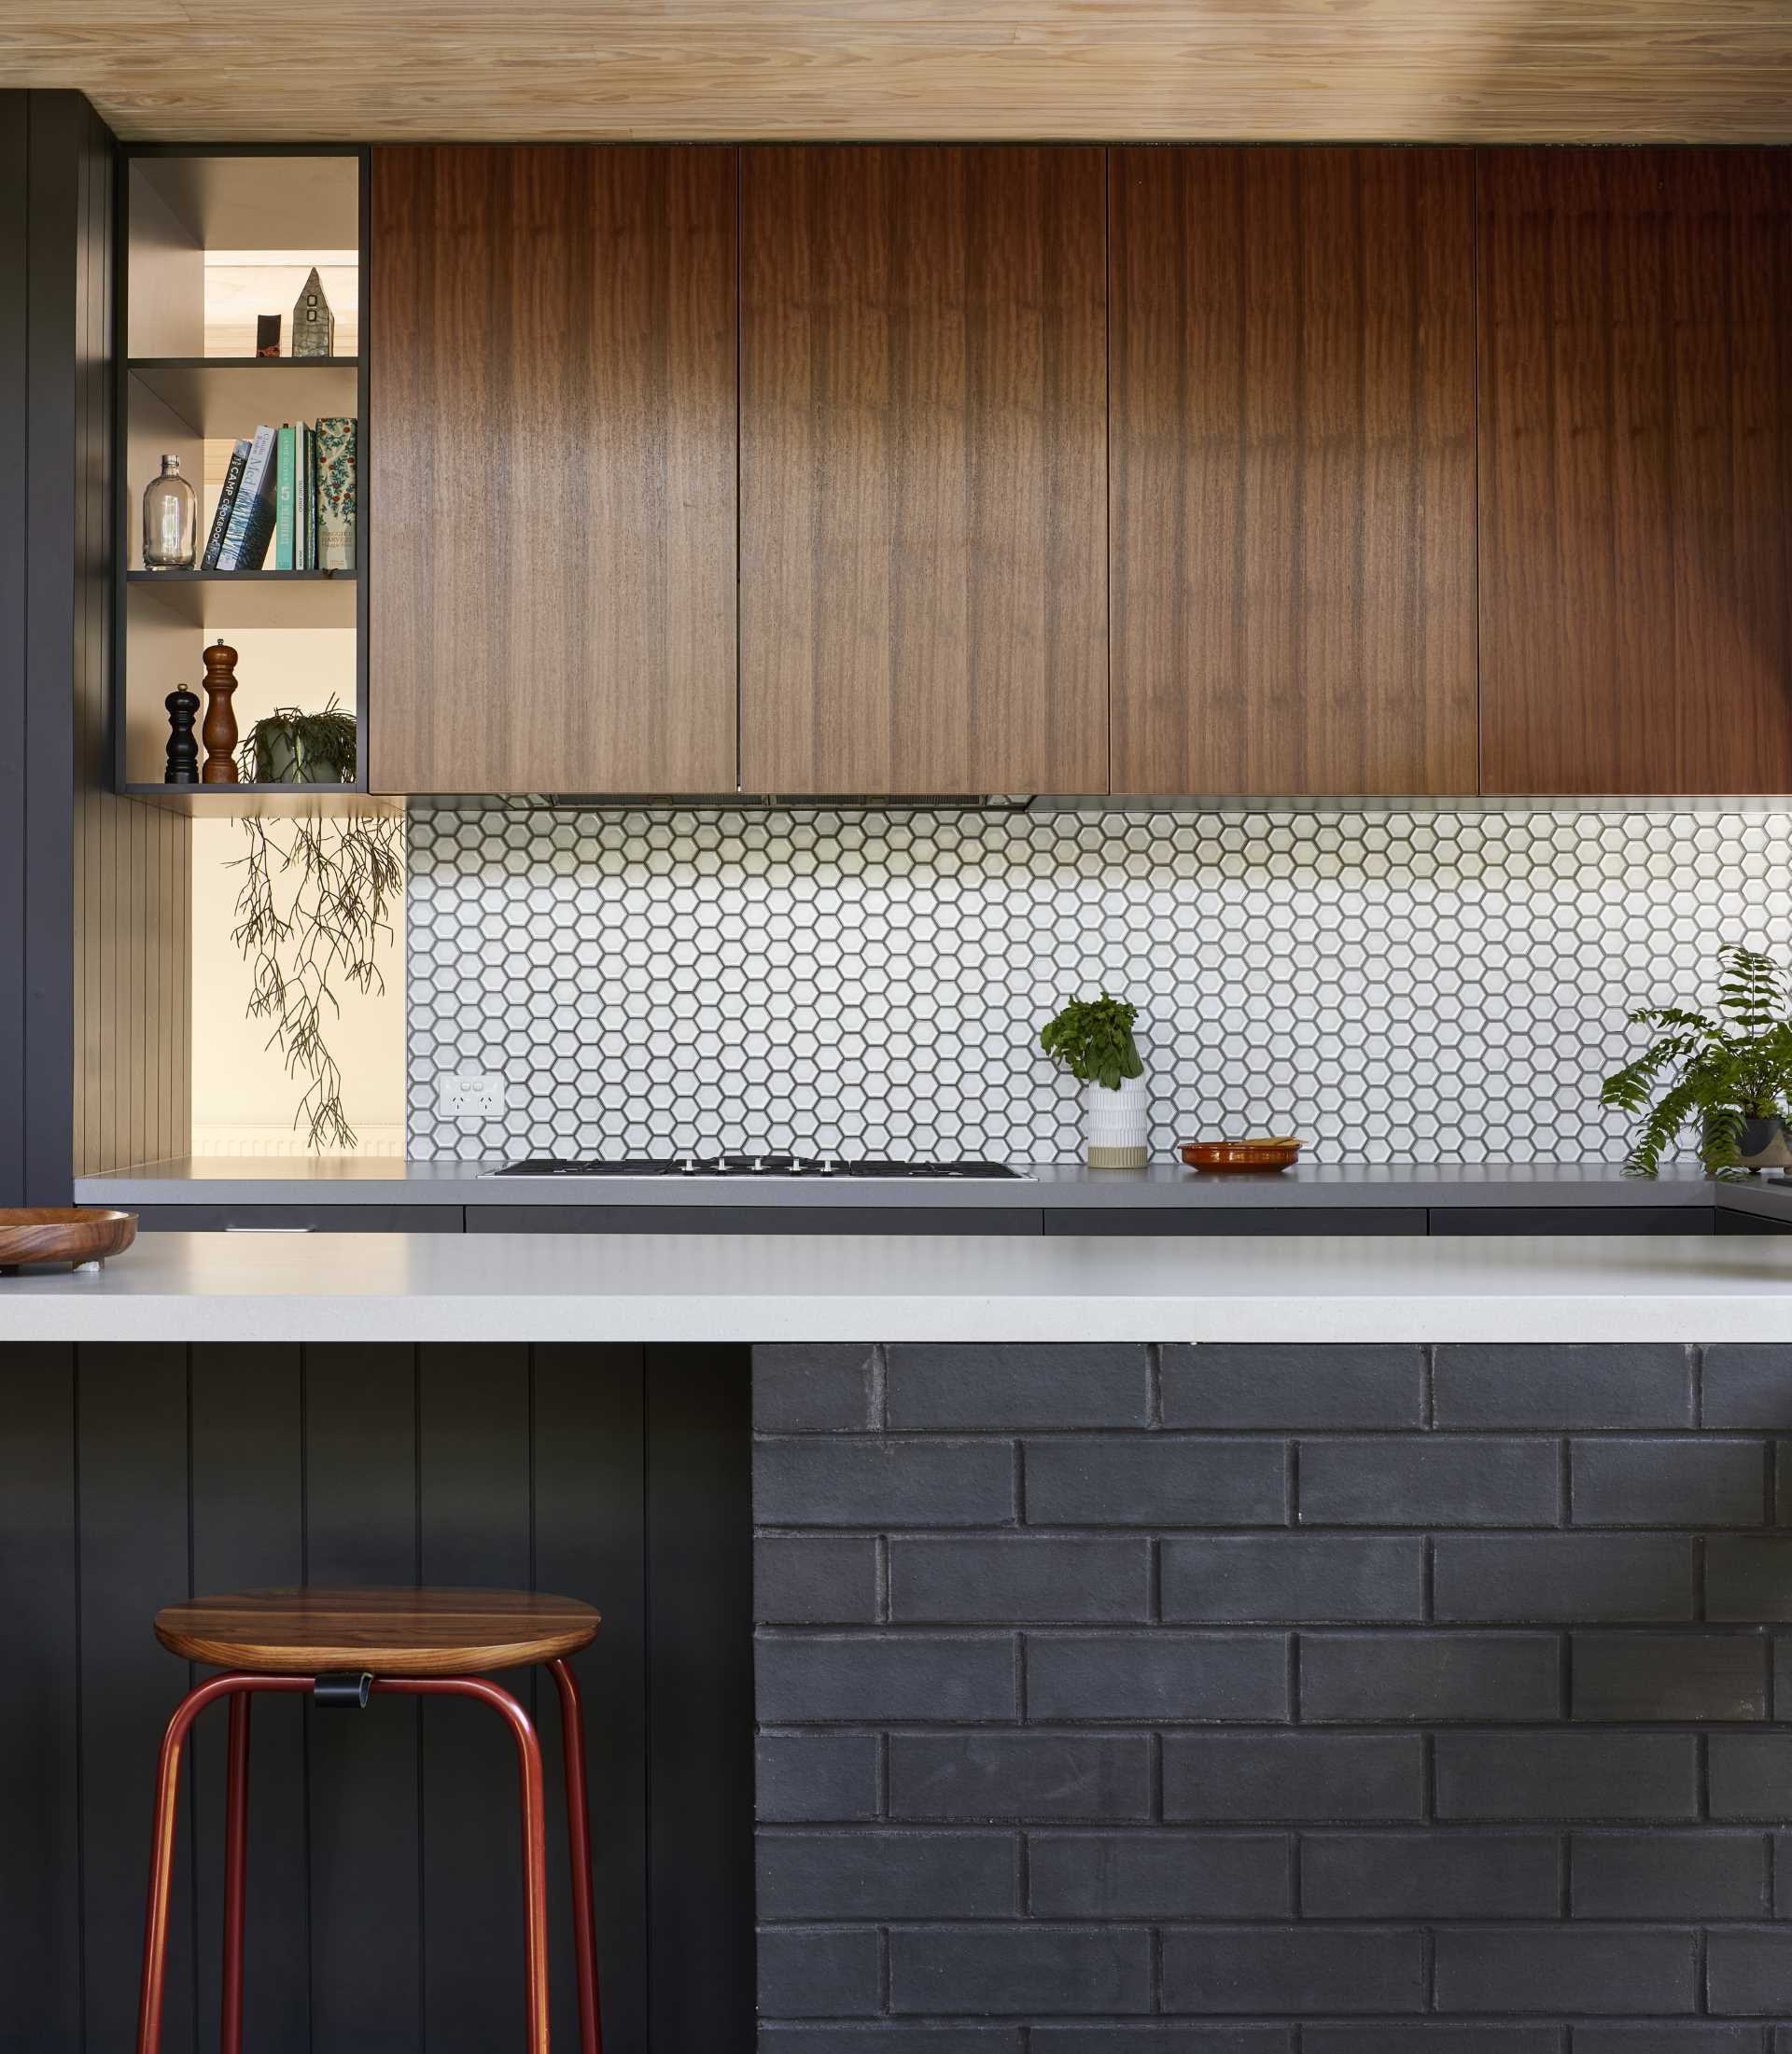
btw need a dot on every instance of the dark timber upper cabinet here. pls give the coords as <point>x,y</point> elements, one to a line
<point>1293,475</point>
<point>1636,470</point>
<point>552,450</point>
<point>923,455</point>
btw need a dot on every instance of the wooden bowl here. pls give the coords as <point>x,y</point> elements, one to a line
<point>1265,1152</point>
<point>81,1235</point>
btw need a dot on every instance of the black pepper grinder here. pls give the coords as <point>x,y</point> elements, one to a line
<point>183,750</point>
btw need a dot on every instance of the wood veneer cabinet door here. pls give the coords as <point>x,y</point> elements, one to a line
<point>1636,470</point>
<point>1292,482</point>
<point>552,458</point>
<point>923,453</point>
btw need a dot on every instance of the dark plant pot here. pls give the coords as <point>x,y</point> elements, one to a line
<point>283,760</point>
<point>1764,1145</point>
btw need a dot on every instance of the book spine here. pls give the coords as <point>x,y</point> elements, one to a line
<point>282,507</point>
<point>245,541</point>
<point>308,503</point>
<point>336,496</point>
<point>226,500</point>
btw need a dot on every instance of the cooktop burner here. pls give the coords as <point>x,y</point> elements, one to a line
<point>750,1163</point>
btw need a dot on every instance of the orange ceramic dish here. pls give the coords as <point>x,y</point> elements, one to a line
<point>1273,1152</point>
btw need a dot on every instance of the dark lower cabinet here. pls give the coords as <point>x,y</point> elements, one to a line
<point>751,1220</point>
<point>1260,1220</point>
<point>260,1218</point>
<point>1558,1220</point>
<point>1750,1222</point>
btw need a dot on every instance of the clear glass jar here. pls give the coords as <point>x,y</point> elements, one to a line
<point>170,521</point>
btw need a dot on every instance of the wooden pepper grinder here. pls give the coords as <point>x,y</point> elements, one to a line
<point>220,722</point>
<point>183,751</point>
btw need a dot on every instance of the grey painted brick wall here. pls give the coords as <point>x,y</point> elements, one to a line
<point>1233,1700</point>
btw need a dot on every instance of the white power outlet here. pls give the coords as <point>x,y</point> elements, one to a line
<point>470,1095</point>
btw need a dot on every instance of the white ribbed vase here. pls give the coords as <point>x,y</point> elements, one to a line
<point>1115,1125</point>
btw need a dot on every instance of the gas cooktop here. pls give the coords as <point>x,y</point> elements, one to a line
<point>750,1163</point>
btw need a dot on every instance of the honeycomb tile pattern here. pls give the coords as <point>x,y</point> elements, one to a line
<point>1395,986</point>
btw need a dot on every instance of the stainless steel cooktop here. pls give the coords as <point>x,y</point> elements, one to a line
<point>757,1163</point>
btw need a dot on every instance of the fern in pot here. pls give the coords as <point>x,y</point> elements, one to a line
<point>1092,1040</point>
<point>1729,1072</point>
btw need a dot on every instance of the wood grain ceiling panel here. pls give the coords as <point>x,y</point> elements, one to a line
<point>1397,70</point>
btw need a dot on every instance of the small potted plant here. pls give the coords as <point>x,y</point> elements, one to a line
<point>1092,1040</point>
<point>290,747</point>
<point>1732,1073</point>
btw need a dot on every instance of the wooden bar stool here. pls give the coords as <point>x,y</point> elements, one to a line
<point>344,1646</point>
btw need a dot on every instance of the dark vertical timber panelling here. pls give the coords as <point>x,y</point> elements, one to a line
<point>366,1880</point>
<point>248,1532</point>
<point>13,697</point>
<point>700,1692</point>
<point>132,1428</point>
<point>57,126</point>
<point>383,1902</point>
<point>590,1541</point>
<point>40,1956</point>
<point>473,1475</point>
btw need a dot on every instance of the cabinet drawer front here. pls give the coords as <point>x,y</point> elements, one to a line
<point>257,1219</point>
<point>751,1220</point>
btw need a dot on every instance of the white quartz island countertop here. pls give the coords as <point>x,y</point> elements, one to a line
<point>645,1288</point>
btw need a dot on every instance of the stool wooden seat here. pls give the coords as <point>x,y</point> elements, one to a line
<point>343,1649</point>
<point>389,1633</point>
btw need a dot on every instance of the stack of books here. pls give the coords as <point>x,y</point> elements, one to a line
<point>287,501</point>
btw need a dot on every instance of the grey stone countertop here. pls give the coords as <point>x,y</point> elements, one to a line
<point>911,1287</point>
<point>200,1180</point>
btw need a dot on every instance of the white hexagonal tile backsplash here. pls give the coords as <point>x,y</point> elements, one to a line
<point>1395,986</point>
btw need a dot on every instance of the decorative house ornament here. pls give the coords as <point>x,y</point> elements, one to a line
<point>314,326</point>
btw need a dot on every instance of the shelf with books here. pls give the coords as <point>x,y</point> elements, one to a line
<point>212,240</point>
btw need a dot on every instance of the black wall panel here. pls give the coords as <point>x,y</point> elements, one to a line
<point>384,1907</point>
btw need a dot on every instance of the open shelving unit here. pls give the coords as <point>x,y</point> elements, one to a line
<point>210,237</point>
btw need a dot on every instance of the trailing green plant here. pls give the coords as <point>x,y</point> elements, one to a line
<point>1092,1038</point>
<point>325,738</point>
<point>313,911</point>
<point>1727,1067</point>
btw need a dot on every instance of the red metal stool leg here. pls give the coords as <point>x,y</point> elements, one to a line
<point>584,1924</point>
<point>535,1833</point>
<point>161,1846</point>
<point>236,1839</point>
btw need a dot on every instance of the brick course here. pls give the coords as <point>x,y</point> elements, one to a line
<point>1274,1700</point>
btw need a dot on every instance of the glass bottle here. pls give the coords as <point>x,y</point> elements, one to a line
<point>170,520</point>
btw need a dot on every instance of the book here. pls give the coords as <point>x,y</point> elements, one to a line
<point>251,524</point>
<point>308,525</point>
<point>300,497</point>
<point>284,454</point>
<point>336,501</point>
<point>226,500</point>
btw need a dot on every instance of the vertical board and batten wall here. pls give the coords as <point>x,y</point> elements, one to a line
<point>385,1905</point>
<point>95,1049</point>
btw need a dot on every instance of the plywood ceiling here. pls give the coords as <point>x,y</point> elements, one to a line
<point>1448,70</point>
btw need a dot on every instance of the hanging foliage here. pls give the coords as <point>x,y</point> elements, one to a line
<point>314,907</point>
